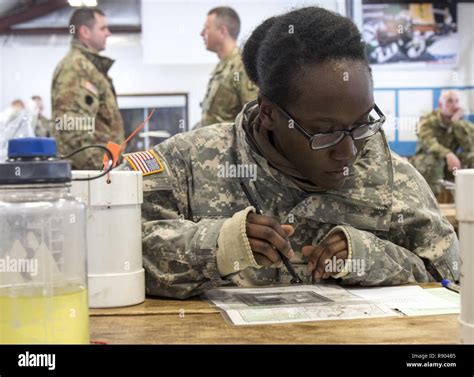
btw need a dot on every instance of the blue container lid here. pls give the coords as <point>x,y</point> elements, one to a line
<point>34,160</point>
<point>30,147</point>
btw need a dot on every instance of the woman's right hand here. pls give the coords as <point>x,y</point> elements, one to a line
<point>266,235</point>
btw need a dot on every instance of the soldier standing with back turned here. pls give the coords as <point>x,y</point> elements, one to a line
<point>84,102</point>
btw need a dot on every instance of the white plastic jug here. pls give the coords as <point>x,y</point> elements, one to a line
<point>115,272</point>
<point>465,216</point>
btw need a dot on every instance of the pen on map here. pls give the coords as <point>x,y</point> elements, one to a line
<point>296,279</point>
<point>450,285</point>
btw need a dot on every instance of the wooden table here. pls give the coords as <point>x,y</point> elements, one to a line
<point>163,321</point>
<point>449,210</point>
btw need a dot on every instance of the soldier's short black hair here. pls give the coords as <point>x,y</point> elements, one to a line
<point>229,18</point>
<point>83,16</point>
<point>278,50</point>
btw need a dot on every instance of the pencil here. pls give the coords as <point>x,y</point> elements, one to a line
<point>296,279</point>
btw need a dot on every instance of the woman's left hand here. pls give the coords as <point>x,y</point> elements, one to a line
<point>323,259</point>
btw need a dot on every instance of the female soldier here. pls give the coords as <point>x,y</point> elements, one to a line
<point>312,153</point>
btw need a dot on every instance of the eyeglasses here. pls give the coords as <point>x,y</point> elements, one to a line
<point>329,139</point>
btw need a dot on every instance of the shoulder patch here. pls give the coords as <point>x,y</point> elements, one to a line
<point>90,87</point>
<point>147,162</point>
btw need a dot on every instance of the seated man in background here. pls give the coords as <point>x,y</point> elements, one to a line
<point>229,88</point>
<point>445,142</point>
<point>335,200</point>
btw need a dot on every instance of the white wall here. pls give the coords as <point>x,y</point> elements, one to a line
<point>170,24</point>
<point>27,64</point>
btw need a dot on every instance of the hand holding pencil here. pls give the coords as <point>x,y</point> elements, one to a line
<point>267,237</point>
<point>269,240</point>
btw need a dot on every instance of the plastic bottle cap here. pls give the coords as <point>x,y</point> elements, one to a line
<point>34,160</point>
<point>32,147</point>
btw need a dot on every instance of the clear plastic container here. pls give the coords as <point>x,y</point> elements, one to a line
<point>43,274</point>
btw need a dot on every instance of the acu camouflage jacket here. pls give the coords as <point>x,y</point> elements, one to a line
<point>385,208</point>
<point>228,90</point>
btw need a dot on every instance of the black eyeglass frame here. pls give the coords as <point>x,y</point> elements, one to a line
<point>343,133</point>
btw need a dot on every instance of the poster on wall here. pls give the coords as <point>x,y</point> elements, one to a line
<point>411,34</point>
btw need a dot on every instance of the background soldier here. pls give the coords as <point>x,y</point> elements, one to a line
<point>43,124</point>
<point>445,142</point>
<point>85,109</point>
<point>16,121</point>
<point>229,88</point>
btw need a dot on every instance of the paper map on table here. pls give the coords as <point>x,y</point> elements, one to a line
<point>296,303</point>
<point>413,300</point>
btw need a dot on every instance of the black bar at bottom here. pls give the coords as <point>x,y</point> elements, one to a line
<point>233,360</point>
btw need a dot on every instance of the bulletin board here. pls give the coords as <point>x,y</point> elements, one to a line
<point>404,107</point>
<point>411,35</point>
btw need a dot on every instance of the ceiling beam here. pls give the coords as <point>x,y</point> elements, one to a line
<point>63,30</point>
<point>31,13</point>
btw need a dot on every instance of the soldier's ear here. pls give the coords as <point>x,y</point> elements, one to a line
<point>267,113</point>
<point>84,32</point>
<point>223,29</point>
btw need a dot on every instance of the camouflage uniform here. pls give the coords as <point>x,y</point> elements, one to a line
<point>385,208</point>
<point>228,90</point>
<point>85,109</point>
<point>435,140</point>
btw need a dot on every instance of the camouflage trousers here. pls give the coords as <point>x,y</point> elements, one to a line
<point>434,168</point>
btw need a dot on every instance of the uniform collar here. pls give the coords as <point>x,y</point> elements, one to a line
<point>370,182</point>
<point>441,121</point>
<point>232,54</point>
<point>221,65</point>
<point>102,63</point>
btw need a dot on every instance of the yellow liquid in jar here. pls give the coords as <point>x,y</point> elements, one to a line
<point>60,318</point>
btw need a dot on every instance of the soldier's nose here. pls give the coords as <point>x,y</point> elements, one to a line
<point>345,150</point>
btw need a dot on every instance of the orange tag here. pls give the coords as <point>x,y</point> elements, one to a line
<point>115,149</point>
